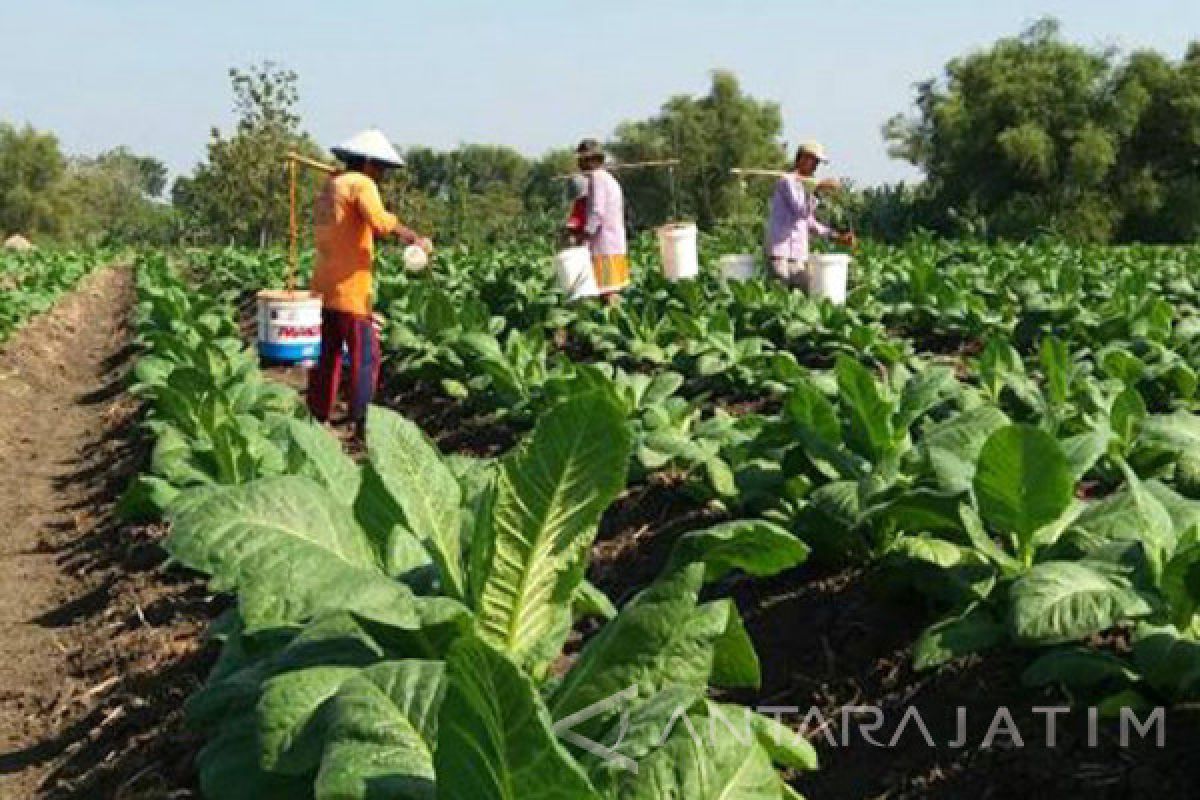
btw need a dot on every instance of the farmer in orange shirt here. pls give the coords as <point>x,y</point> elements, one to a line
<point>349,215</point>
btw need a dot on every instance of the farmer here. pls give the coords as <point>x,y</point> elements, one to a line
<point>349,215</point>
<point>793,217</point>
<point>604,224</point>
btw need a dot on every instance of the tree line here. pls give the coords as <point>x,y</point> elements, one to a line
<point>1032,136</point>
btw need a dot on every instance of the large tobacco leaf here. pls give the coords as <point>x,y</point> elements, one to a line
<point>291,551</point>
<point>548,501</point>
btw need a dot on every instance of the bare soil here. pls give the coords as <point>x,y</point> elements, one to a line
<point>99,644</point>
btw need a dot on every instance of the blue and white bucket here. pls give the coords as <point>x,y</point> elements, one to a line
<point>289,327</point>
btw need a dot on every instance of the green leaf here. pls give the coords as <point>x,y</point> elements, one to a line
<point>147,499</point>
<point>1131,515</point>
<point>381,732</point>
<point>923,392</point>
<point>424,489</point>
<point>1056,365</point>
<point>290,550</point>
<point>1023,480</point>
<point>756,547</point>
<point>704,758</point>
<point>786,747</point>
<point>1169,661</point>
<point>720,478</point>
<point>549,498</point>
<point>632,736</point>
<point>973,631</point>
<point>952,447</point>
<point>589,601</point>
<point>1084,450</point>
<point>1063,601</point>
<point>1078,667</point>
<point>870,432</point>
<point>1181,583</point>
<point>1176,433</point>
<point>228,767</point>
<point>1184,511</point>
<point>495,737</point>
<point>289,743</point>
<point>316,453</point>
<point>1128,411</point>
<point>921,510</point>
<point>983,543</point>
<point>735,664</point>
<point>808,407</point>
<point>660,638</point>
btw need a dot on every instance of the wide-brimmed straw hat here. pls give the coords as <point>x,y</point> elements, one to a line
<point>371,144</point>
<point>590,148</point>
<point>814,149</point>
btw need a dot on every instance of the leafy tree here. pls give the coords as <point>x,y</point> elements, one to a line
<point>112,199</point>
<point>1024,135</point>
<point>1035,134</point>
<point>545,189</point>
<point>711,135</point>
<point>1158,174</point>
<point>31,165</point>
<point>240,194</point>
<point>475,194</point>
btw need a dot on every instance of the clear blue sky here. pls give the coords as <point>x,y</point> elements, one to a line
<point>152,74</point>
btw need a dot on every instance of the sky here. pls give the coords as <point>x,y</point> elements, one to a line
<point>152,74</point>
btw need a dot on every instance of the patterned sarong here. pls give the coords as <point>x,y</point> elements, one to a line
<point>612,272</point>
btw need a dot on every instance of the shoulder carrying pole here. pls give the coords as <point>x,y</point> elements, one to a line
<point>294,160</point>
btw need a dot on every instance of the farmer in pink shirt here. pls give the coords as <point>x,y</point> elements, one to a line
<point>604,223</point>
<point>793,217</point>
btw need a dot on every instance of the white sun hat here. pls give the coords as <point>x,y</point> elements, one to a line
<point>371,144</point>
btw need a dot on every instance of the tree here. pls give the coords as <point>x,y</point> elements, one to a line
<point>112,199</point>
<point>240,194</point>
<point>1038,135</point>
<point>545,189</point>
<point>711,135</point>
<point>1157,178</point>
<point>31,165</point>
<point>474,195</point>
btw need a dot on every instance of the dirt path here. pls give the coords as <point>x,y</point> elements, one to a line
<point>90,627</point>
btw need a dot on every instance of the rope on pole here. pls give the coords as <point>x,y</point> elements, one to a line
<point>293,247</point>
<point>296,160</point>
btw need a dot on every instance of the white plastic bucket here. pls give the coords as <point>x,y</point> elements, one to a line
<point>289,327</point>
<point>827,276</point>
<point>575,274</point>
<point>677,245</point>
<point>739,267</point>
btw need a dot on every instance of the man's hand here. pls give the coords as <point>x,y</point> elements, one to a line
<point>425,243</point>
<point>846,239</point>
<point>829,185</point>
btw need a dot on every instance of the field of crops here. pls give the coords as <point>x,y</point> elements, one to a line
<point>30,282</point>
<point>593,551</point>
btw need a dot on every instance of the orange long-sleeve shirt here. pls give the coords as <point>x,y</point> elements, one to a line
<point>349,215</point>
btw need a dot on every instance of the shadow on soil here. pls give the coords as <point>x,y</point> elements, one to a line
<point>135,638</point>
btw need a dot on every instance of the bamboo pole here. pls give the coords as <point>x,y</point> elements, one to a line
<point>293,228</point>
<point>762,173</point>
<point>295,160</point>
<point>321,166</point>
<point>669,162</point>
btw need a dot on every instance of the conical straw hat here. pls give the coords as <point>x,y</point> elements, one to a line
<point>370,144</point>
